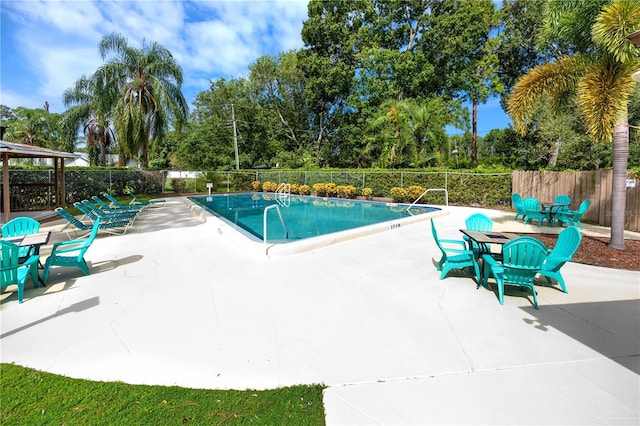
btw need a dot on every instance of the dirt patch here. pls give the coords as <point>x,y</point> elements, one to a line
<point>596,251</point>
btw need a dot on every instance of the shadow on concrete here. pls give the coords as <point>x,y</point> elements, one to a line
<point>76,307</point>
<point>61,274</point>
<point>611,328</point>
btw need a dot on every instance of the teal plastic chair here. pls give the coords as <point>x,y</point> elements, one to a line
<point>151,203</point>
<point>21,226</point>
<point>454,258</point>
<point>113,208</point>
<point>13,272</point>
<point>562,199</point>
<point>522,259</point>
<point>70,253</point>
<point>518,204</point>
<point>128,215</point>
<point>115,203</point>
<point>477,222</point>
<point>559,199</point>
<point>572,217</point>
<point>533,211</point>
<point>568,242</point>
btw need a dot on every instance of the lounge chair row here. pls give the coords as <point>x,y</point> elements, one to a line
<point>115,217</point>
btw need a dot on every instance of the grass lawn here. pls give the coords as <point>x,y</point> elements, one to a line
<point>31,397</point>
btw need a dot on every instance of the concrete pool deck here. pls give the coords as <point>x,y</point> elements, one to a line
<point>175,301</point>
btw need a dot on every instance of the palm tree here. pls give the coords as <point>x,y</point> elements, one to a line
<point>90,106</point>
<point>595,74</point>
<point>148,81</point>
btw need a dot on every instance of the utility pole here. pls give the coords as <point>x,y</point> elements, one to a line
<point>235,136</point>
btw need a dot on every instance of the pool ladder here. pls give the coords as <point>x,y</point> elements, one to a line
<point>264,223</point>
<point>283,193</point>
<point>446,197</point>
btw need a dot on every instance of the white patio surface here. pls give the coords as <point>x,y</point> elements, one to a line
<point>181,301</point>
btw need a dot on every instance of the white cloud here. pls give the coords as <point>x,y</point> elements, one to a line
<point>55,42</point>
<point>71,17</point>
<point>218,47</point>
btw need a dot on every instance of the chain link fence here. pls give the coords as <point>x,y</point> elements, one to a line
<point>33,189</point>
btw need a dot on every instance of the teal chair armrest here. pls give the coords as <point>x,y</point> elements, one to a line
<point>490,266</point>
<point>59,247</point>
<point>489,260</point>
<point>456,242</point>
<point>33,259</point>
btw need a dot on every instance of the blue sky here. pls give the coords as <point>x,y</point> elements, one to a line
<point>47,45</point>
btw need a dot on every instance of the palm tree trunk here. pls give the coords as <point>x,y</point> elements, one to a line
<point>618,193</point>
<point>474,132</point>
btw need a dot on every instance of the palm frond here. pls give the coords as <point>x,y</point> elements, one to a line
<point>553,79</point>
<point>603,96</point>
<point>613,24</point>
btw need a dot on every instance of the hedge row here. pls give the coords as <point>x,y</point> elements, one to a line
<point>489,190</point>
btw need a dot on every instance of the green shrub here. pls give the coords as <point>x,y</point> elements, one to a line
<point>346,191</point>
<point>269,186</point>
<point>304,190</point>
<point>320,189</point>
<point>367,193</point>
<point>398,194</point>
<point>178,185</point>
<point>414,191</point>
<point>332,189</point>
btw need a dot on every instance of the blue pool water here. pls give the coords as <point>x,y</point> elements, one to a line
<point>302,216</point>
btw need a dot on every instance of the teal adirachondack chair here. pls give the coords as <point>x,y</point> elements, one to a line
<point>454,258</point>
<point>21,226</point>
<point>13,272</point>
<point>70,253</point>
<point>522,259</point>
<point>563,199</point>
<point>568,242</point>
<point>572,217</point>
<point>477,222</point>
<point>533,210</point>
<point>518,204</point>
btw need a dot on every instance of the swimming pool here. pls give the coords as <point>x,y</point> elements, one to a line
<point>293,218</point>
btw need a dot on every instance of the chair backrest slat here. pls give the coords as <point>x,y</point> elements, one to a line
<point>20,226</point>
<point>479,222</point>
<point>522,259</point>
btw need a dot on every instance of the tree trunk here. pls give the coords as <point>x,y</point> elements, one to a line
<point>102,154</point>
<point>618,193</point>
<point>553,160</point>
<point>474,134</point>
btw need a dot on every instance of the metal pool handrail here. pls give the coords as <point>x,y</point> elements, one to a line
<point>264,222</point>
<point>446,196</point>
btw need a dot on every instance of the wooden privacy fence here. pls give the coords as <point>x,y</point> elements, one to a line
<point>592,185</point>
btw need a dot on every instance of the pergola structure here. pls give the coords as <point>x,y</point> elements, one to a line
<point>10,150</point>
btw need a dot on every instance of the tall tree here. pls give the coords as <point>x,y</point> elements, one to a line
<point>519,24</point>
<point>411,132</point>
<point>35,126</point>
<point>332,39</point>
<point>278,84</point>
<point>90,105</point>
<point>148,81</point>
<point>461,45</point>
<point>595,71</point>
